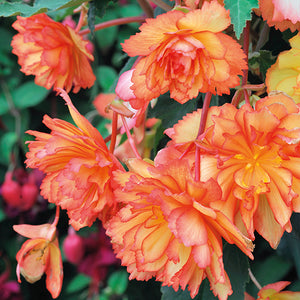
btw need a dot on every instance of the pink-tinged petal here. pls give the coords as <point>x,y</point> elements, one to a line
<point>45,231</point>
<point>290,9</point>
<point>266,224</point>
<point>54,271</point>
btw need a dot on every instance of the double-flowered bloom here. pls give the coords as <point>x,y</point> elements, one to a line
<point>54,53</point>
<point>185,53</point>
<point>253,154</point>
<point>78,168</point>
<point>168,228</point>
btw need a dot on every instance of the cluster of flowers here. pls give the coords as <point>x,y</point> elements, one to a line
<point>226,172</point>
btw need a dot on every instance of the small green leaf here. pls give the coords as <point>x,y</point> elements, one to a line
<point>29,94</point>
<point>4,108</point>
<point>7,142</point>
<point>118,282</point>
<point>260,62</point>
<point>78,283</point>
<point>240,12</point>
<point>106,76</point>
<point>8,9</point>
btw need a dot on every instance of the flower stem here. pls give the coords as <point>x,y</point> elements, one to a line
<point>82,19</point>
<point>162,5</point>
<point>177,2</point>
<point>246,34</point>
<point>204,113</point>
<point>55,222</point>
<point>130,139</point>
<point>115,22</point>
<point>252,277</point>
<point>113,132</point>
<point>146,7</point>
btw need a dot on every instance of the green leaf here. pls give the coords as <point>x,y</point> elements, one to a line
<point>236,265</point>
<point>78,283</point>
<point>29,94</point>
<point>7,143</point>
<point>240,12</point>
<point>170,111</point>
<point>8,9</point>
<point>4,108</point>
<point>118,282</point>
<point>106,76</point>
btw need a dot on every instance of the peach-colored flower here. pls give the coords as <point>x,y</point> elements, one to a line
<point>284,75</point>
<point>78,168</point>
<point>254,156</point>
<point>40,254</point>
<point>194,4</point>
<point>53,52</point>
<point>283,14</point>
<point>168,228</point>
<point>185,53</point>
<point>273,291</point>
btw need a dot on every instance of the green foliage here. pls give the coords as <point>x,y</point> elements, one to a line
<point>118,282</point>
<point>260,62</point>
<point>40,6</point>
<point>240,12</point>
<point>106,76</point>
<point>78,283</point>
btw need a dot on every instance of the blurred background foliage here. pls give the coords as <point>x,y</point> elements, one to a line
<point>23,105</point>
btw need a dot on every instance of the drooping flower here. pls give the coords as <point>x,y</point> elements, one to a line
<point>283,14</point>
<point>168,228</point>
<point>54,53</point>
<point>284,74</point>
<point>253,154</point>
<point>274,291</point>
<point>78,168</point>
<point>40,254</point>
<point>185,53</point>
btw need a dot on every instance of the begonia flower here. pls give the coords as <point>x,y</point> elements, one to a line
<point>253,154</point>
<point>274,291</point>
<point>40,254</point>
<point>283,14</point>
<point>78,168</point>
<point>185,53</point>
<point>168,228</point>
<point>284,74</point>
<point>54,53</point>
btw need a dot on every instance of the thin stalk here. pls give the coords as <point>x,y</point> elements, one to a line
<point>81,21</point>
<point>56,219</point>
<point>204,114</point>
<point>130,139</point>
<point>162,5</point>
<point>146,7</point>
<point>246,34</point>
<point>177,2</point>
<point>120,21</point>
<point>254,280</point>
<point>114,132</point>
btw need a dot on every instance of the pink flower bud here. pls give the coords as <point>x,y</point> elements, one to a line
<point>11,191</point>
<point>73,247</point>
<point>29,193</point>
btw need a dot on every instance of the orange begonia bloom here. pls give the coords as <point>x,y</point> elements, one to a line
<point>284,75</point>
<point>53,52</point>
<point>40,254</point>
<point>78,168</point>
<point>185,53</point>
<point>254,156</point>
<point>283,14</point>
<point>273,291</point>
<point>168,228</point>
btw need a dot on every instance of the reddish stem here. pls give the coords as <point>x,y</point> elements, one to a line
<point>246,34</point>
<point>115,22</point>
<point>177,2</point>
<point>204,114</point>
<point>55,222</point>
<point>81,20</point>
<point>130,139</point>
<point>146,7</point>
<point>114,132</point>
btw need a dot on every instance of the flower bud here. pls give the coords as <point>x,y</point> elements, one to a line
<point>11,191</point>
<point>29,193</point>
<point>73,247</point>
